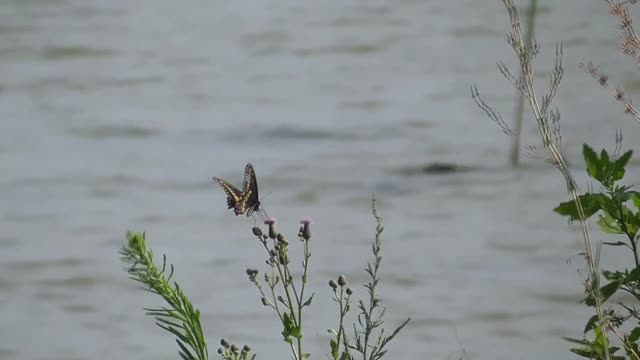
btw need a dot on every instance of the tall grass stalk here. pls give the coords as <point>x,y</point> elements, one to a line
<point>517,137</point>
<point>548,120</point>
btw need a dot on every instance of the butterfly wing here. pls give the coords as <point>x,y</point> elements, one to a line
<point>234,196</point>
<point>249,201</point>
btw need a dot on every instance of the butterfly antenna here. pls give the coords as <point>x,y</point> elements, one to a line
<point>262,214</point>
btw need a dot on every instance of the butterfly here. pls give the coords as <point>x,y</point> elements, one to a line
<point>245,200</point>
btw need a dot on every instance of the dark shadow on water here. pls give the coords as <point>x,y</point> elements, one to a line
<point>435,168</point>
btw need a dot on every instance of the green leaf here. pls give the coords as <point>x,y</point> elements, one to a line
<point>617,243</point>
<point>591,203</point>
<point>634,335</point>
<point>591,324</point>
<point>308,302</point>
<point>609,225</point>
<point>604,159</point>
<point>618,170</point>
<point>633,276</point>
<point>583,342</point>
<point>609,289</point>
<point>297,332</point>
<point>592,161</point>
<point>635,197</point>
<point>334,349</point>
<point>608,204</point>
<point>185,353</point>
<point>585,353</point>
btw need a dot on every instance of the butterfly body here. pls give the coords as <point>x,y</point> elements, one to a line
<point>245,201</point>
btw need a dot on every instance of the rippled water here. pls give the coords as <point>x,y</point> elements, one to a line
<point>115,116</point>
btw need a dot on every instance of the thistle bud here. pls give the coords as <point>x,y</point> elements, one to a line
<point>342,281</point>
<point>257,231</point>
<point>252,274</point>
<point>281,239</point>
<point>305,229</point>
<point>332,284</point>
<point>224,343</point>
<point>272,227</point>
<point>349,291</point>
<point>246,349</point>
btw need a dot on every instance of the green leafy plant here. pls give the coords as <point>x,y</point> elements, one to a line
<point>615,215</point>
<point>617,209</point>
<point>180,318</point>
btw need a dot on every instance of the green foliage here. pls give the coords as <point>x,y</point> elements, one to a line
<point>180,318</point>
<point>617,208</point>
<point>279,289</point>
<point>370,316</point>
<point>371,313</point>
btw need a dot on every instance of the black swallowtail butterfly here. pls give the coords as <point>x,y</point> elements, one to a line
<point>245,200</point>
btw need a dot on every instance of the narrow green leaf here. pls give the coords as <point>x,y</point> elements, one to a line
<point>308,302</point>
<point>334,349</point>
<point>604,159</point>
<point>174,331</point>
<point>185,351</point>
<point>617,243</point>
<point>585,353</point>
<point>591,324</point>
<point>583,342</point>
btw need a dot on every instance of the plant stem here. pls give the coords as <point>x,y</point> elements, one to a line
<point>524,56</point>
<point>515,145</point>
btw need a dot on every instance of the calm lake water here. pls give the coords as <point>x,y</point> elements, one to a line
<point>116,114</point>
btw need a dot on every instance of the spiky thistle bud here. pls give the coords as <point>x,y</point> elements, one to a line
<point>272,227</point>
<point>257,231</point>
<point>332,284</point>
<point>305,229</point>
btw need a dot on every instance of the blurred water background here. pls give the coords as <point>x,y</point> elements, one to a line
<point>116,114</point>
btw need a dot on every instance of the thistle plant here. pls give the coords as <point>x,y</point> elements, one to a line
<point>286,297</point>
<point>343,298</point>
<point>281,288</point>
<point>285,294</point>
